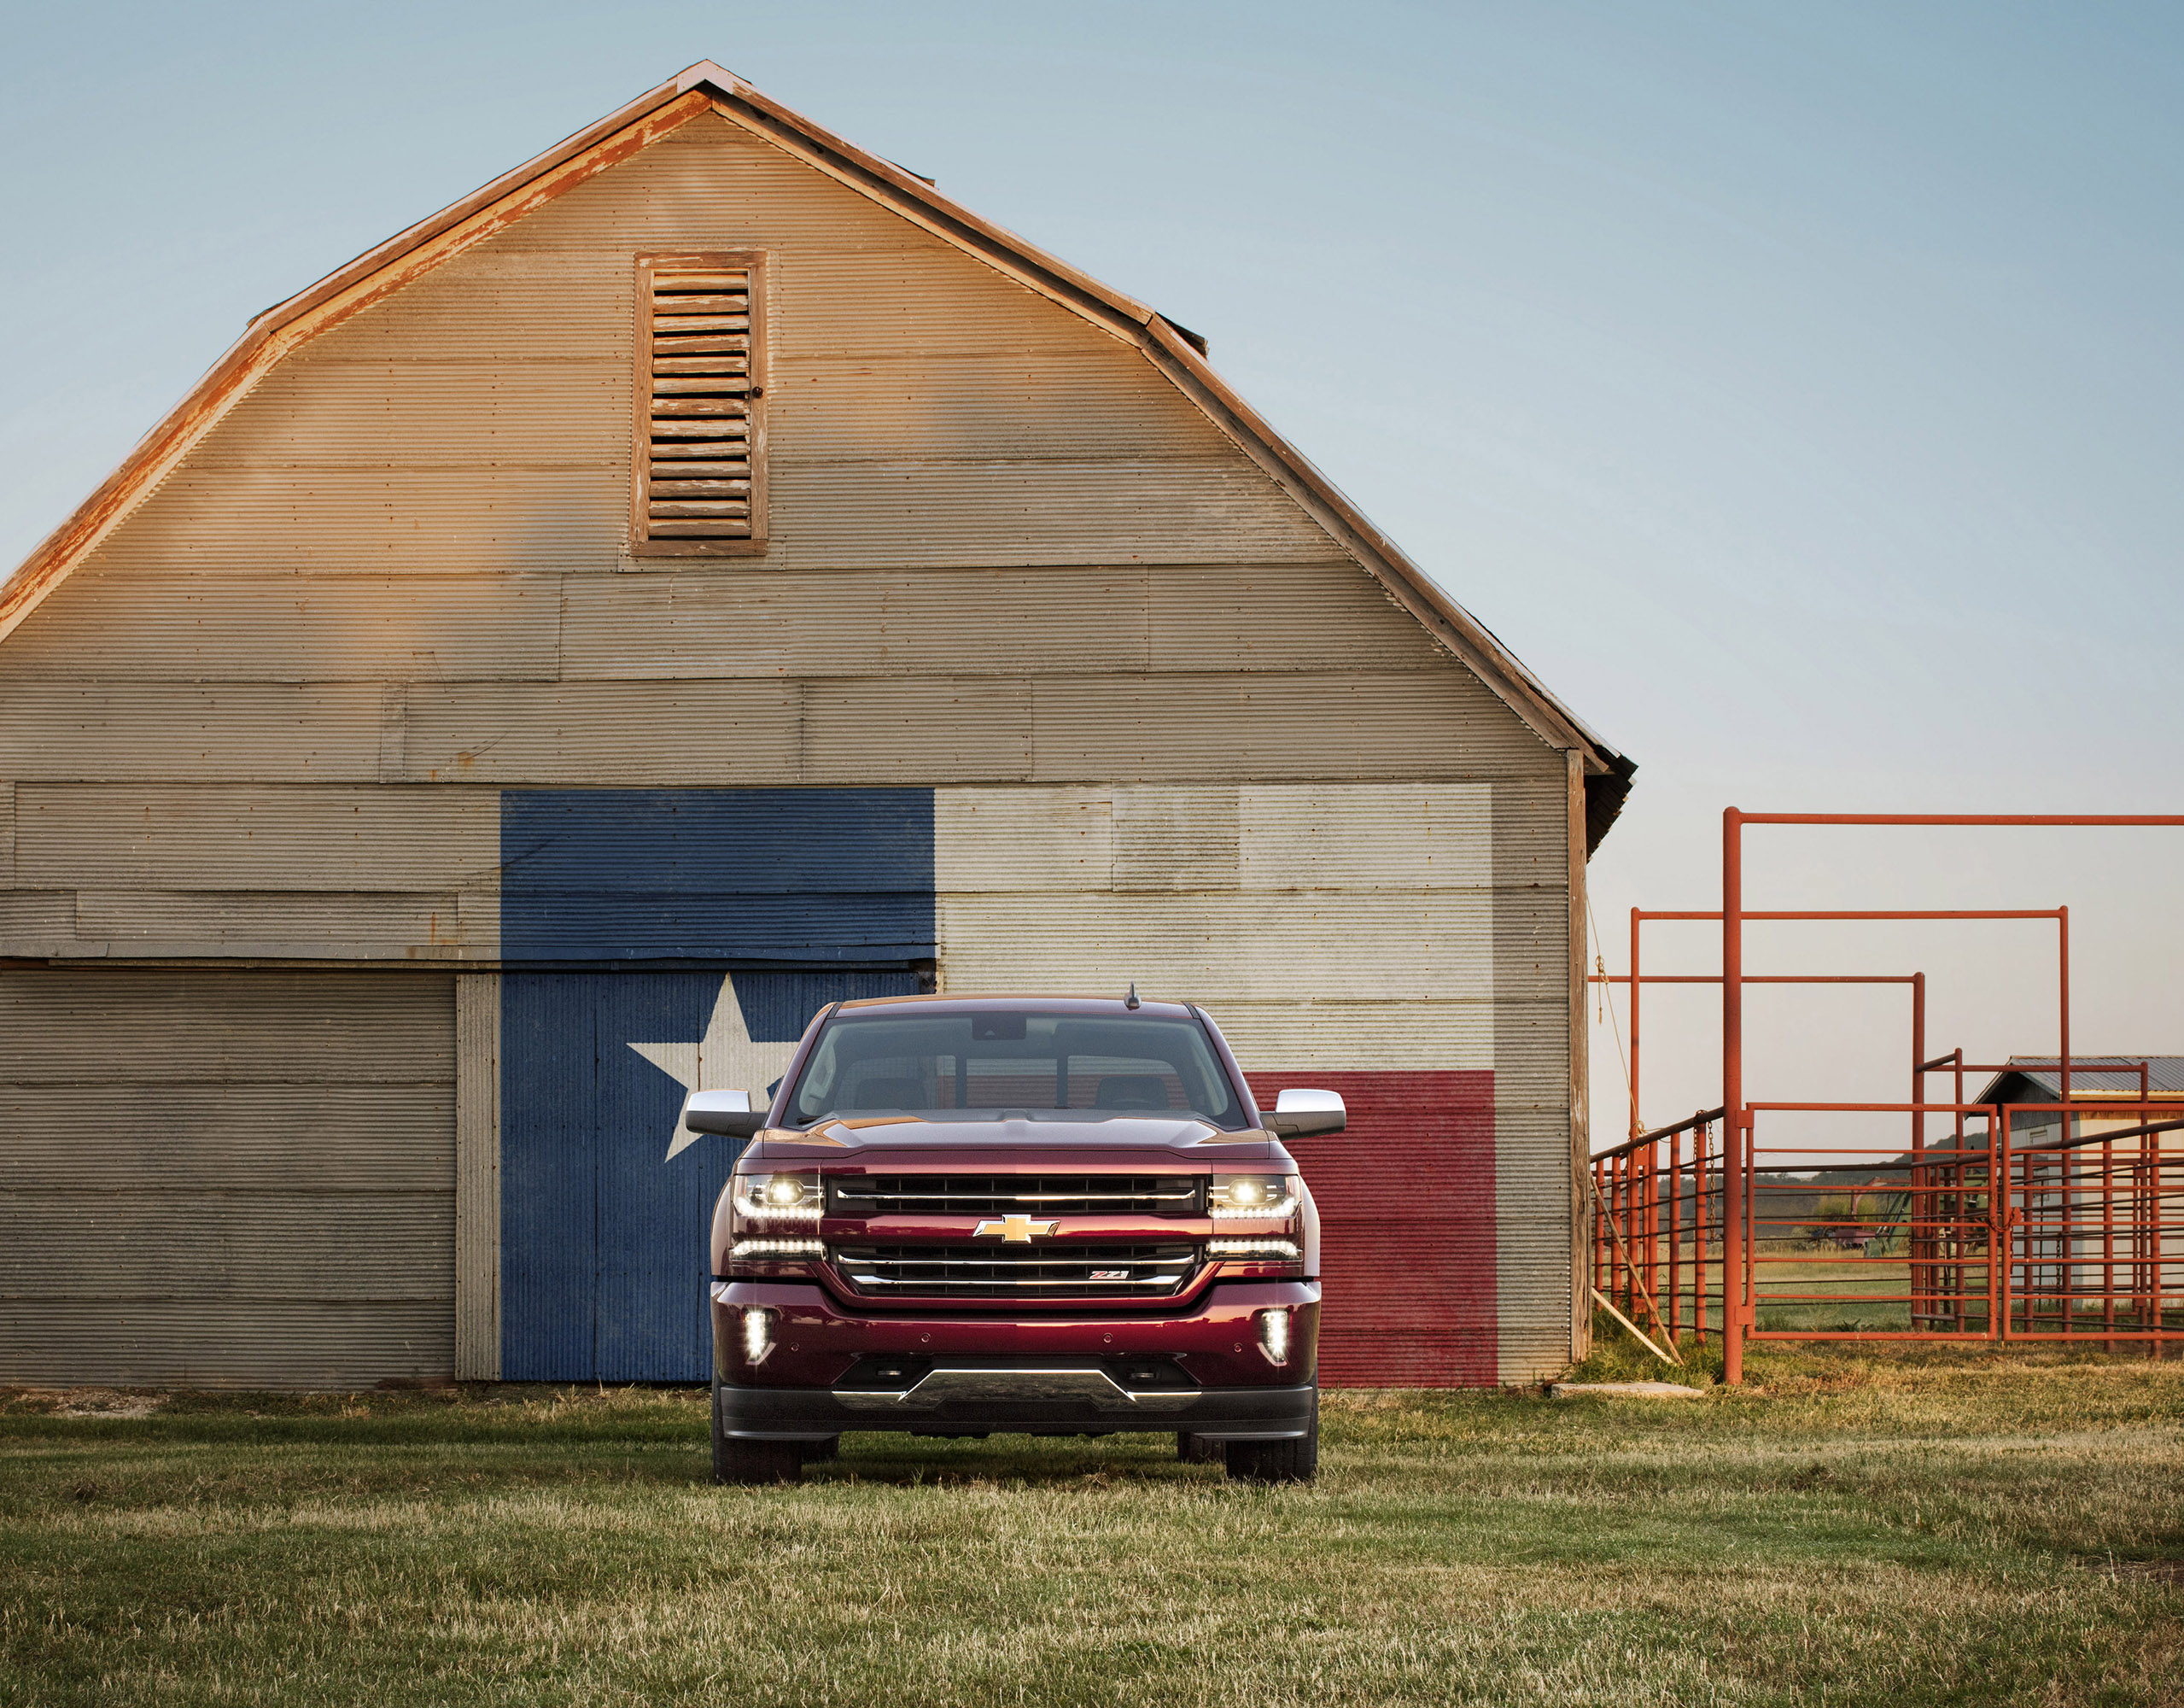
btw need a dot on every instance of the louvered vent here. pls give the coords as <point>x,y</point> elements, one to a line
<point>700,461</point>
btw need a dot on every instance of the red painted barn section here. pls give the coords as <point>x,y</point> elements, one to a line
<point>1406,1206</point>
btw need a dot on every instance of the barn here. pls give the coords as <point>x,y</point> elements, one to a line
<point>704,574</point>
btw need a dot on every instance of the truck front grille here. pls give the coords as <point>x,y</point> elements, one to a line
<point>1035,1195</point>
<point>1073,1271</point>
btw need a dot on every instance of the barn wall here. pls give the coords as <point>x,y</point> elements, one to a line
<point>274,715</point>
<point>225,1178</point>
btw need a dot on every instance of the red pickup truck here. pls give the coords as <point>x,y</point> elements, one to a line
<point>1043,1215</point>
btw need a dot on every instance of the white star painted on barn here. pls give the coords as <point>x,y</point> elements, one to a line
<point>726,1058</point>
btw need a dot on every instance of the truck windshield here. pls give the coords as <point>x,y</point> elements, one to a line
<point>989,1065</point>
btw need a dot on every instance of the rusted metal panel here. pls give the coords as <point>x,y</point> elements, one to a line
<point>279,522</point>
<point>1347,836</point>
<point>396,413</point>
<point>125,731</point>
<point>1024,839</point>
<point>477,1177</point>
<point>1282,617</point>
<point>917,729</point>
<point>1390,945</point>
<point>283,925</point>
<point>1212,509</point>
<point>263,1246</point>
<point>850,622</point>
<point>218,627</point>
<point>204,1271</point>
<point>1402,726</point>
<point>68,1027</point>
<point>1172,837</point>
<point>38,922</point>
<point>225,1135</point>
<point>350,838</point>
<point>1393,1036</point>
<point>222,1342</point>
<point>608,733</point>
<point>1100,401</point>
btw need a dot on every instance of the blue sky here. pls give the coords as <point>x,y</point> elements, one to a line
<point>1799,390</point>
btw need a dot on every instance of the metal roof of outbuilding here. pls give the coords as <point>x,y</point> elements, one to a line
<point>2105,1074</point>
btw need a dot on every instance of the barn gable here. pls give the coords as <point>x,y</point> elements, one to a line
<point>302,685</point>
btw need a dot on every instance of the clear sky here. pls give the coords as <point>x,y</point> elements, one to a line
<point>1799,390</point>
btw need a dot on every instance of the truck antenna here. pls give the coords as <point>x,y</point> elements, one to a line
<point>1130,1001</point>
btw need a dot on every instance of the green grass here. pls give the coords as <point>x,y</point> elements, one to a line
<point>1924,1527</point>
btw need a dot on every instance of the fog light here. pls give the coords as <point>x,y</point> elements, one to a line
<point>1274,1335</point>
<point>758,1335</point>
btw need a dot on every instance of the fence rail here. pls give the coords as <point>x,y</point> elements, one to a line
<point>2026,1221</point>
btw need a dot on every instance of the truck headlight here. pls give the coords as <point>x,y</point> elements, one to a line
<point>1253,1198</point>
<point>779,1197</point>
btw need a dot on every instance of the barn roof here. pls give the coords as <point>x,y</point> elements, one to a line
<point>706,87</point>
<point>2111,1075</point>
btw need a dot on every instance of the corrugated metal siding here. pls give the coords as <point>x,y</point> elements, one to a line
<point>204,837</point>
<point>1533,1176</point>
<point>184,1198</point>
<point>604,1265</point>
<point>477,1177</point>
<point>1407,1205</point>
<point>215,627</point>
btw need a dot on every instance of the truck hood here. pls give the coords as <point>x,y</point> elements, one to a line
<point>860,1135</point>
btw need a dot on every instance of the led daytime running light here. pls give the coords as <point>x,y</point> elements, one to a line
<point>778,1247</point>
<point>1252,1247</point>
<point>755,1199</point>
<point>1259,1212</point>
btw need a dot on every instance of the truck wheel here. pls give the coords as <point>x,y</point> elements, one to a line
<point>752,1461</point>
<point>1278,1462</point>
<point>815,1452</point>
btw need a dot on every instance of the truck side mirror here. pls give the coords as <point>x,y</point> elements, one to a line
<point>729,1113</point>
<point>1300,1113</point>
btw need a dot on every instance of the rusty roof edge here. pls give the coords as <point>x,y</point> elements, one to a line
<point>1477,645</point>
<point>50,560</point>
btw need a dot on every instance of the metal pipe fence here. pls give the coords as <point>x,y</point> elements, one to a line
<point>2040,1222</point>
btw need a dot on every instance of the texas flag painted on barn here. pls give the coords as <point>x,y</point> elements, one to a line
<point>662,940</point>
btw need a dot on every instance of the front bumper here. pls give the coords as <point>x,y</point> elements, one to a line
<point>826,1369</point>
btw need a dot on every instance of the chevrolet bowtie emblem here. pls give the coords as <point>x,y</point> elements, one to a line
<point>1016,1229</point>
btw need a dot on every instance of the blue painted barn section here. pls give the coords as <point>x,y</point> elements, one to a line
<point>633,905</point>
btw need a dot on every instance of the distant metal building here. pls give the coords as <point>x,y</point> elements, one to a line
<point>704,574</point>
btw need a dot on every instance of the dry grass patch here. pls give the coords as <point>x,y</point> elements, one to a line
<point>1935,1527</point>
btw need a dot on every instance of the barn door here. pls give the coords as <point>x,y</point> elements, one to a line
<point>606,1200</point>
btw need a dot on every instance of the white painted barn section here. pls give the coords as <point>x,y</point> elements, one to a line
<point>270,701</point>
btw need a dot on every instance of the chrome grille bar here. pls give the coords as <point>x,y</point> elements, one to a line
<point>1046,1194</point>
<point>1053,1271</point>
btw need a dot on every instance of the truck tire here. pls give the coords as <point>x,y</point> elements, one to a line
<point>736,1461</point>
<point>1278,1462</point>
<point>815,1452</point>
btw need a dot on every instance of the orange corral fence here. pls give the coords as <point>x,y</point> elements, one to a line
<point>2046,1221</point>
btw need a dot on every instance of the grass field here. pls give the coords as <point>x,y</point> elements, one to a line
<point>1935,1527</point>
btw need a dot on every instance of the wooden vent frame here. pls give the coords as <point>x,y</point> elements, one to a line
<point>698,487</point>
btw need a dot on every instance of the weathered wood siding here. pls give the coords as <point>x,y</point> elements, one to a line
<point>270,716</point>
